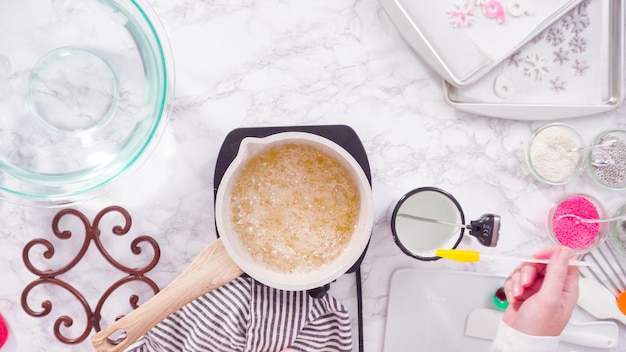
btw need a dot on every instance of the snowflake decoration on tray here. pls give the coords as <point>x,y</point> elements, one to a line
<point>584,4</point>
<point>516,59</point>
<point>538,38</point>
<point>462,14</point>
<point>557,85</point>
<point>578,44</point>
<point>561,56</point>
<point>536,66</point>
<point>555,36</point>
<point>578,19</point>
<point>580,66</point>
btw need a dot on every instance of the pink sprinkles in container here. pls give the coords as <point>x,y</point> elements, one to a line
<point>571,232</point>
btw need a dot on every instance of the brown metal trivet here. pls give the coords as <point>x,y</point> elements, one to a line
<point>92,233</point>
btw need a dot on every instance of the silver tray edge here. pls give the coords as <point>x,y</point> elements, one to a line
<point>551,112</point>
<point>416,40</point>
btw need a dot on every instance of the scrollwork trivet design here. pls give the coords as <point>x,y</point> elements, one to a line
<point>51,276</point>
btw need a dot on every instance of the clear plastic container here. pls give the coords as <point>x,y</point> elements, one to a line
<point>567,230</point>
<point>549,154</point>
<point>607,164</point>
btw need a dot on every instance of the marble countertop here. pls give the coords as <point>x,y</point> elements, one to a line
<point>276,63</point>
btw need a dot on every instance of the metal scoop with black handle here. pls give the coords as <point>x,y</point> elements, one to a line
<point>486,228</point>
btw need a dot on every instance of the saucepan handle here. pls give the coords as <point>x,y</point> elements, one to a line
<point>211,269</point>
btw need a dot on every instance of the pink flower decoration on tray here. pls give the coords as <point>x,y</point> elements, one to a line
<point>494,9</point>
<point>462,14</point>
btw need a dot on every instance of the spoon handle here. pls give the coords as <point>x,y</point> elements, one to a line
<point>590,147</point>
<point>615,218</point>
<point>409,216</point>
<point>211,269</point>
<point>578,335</point>
<point>533,260</point>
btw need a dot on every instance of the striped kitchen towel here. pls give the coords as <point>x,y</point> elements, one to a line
<point>246,315</point>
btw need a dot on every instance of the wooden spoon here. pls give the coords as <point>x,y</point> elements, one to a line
<point>212,268</point>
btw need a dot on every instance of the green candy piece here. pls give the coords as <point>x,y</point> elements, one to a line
<point>499,299</point>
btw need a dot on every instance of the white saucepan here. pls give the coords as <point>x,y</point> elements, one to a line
<point>226,259</point>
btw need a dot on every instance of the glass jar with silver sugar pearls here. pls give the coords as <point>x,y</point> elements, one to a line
<point>618,231</point>
<point>607,163</point>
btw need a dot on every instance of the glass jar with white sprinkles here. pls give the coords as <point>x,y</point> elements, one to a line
<point>552,156</point>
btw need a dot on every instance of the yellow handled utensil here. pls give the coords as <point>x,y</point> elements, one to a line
<point>469,256</point>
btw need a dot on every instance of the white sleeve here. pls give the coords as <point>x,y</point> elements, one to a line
<point>510,340</point>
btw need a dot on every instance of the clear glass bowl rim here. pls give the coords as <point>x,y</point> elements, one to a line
<point>159,56</point>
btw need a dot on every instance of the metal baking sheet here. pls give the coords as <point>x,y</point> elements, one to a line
<point>573,68</point>
<point>464,39</point>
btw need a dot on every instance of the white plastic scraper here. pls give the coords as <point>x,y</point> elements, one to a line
<point>598,300</point>
<point>483,323</point>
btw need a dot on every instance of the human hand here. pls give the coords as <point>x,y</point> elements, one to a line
<point>542,297</point>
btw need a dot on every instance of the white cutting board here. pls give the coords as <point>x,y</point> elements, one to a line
<point>427,311</point>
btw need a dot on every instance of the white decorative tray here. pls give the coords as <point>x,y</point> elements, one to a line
<point>464,39</point>
<point>427,311</point>
<point>573,68</point>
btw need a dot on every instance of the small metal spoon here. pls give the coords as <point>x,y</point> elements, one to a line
<point>603,162</point>
<point>486,229</point>
<point>409,216</point>
<point>591,147</point>
<point>615,218</point>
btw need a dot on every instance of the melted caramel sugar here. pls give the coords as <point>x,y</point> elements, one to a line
<point>294,208</point>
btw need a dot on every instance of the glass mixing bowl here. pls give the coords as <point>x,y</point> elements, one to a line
<point>84,88</point>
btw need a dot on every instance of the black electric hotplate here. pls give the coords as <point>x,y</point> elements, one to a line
<point>344,136</point>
